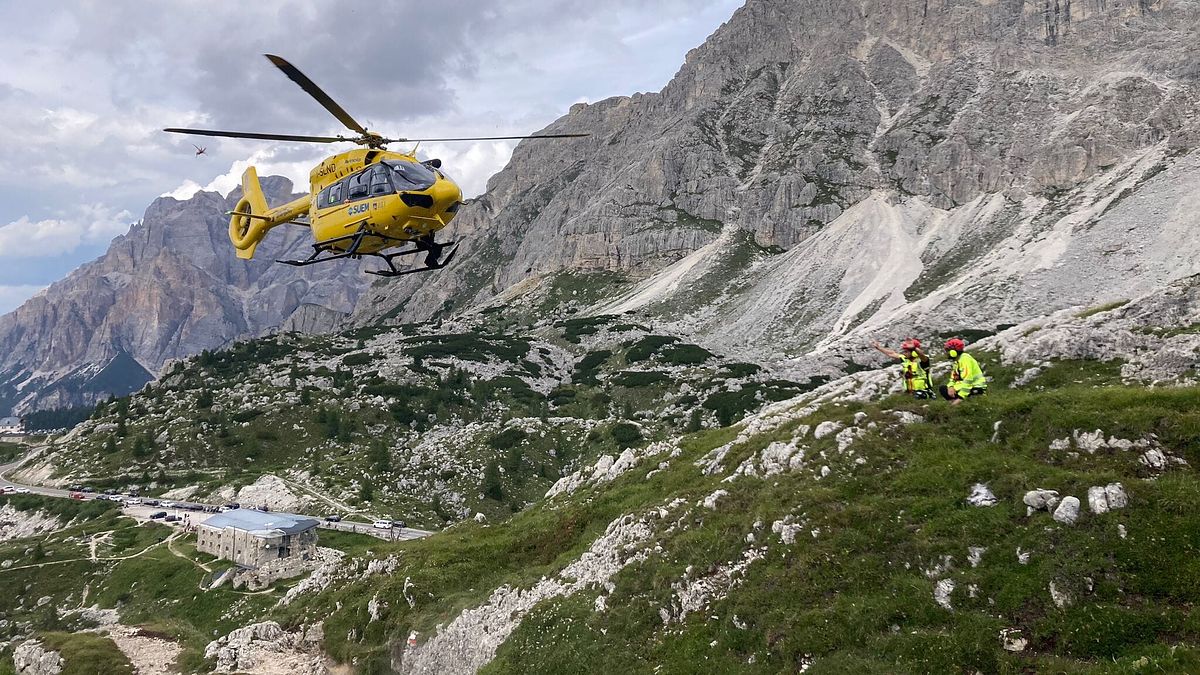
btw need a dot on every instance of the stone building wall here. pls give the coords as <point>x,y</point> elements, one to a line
<point>250,550</point>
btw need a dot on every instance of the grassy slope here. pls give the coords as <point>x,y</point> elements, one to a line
<point>157,589</point>
<point>855,597</point>
<point>228,423</point>
<point>85,654</point>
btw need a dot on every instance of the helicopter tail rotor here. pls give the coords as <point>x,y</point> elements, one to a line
<point>251,218</point>
<point>245,229</point>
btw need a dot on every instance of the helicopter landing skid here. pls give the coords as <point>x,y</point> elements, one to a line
<point>432,250</point>
<point>433,259</point>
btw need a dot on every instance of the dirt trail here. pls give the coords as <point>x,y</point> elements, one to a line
<point>95,541</point>
<point>95,559</point>
<point>177,554</point>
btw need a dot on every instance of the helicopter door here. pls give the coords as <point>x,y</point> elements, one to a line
<point>359,186</point>
<point>381,182</point>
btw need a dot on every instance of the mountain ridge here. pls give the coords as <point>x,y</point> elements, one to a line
<point>169,288</point>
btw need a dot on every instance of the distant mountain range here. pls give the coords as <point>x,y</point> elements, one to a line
<point>169,288</point>
<point>816,173</point>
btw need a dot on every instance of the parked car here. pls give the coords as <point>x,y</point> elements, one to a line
<point>333,519</point>
<point>133,501</point>
<point>22,490</point>
<point>75,488</point>
<point>382,524</point>
<point>233,505</point>
<point>102,498</point>
<point>150,502</point>
<point>110,492</point>
<point>158,514</point>
<point>172,519</point>
<point>87,488</point>
<point>168,505</point>
<point>77,495</point>
<point>7,490</point>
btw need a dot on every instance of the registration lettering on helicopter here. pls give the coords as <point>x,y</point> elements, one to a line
<point>357,209</point>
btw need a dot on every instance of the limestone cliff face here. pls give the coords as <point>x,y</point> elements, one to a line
<point>169,288</point>
<point>820,166</point>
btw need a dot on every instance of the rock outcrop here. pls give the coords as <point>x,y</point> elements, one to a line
<point>822,170</point>
<point>32,658</point>
<point>17,524</point>
<point>169,288</point>
<point>266,649</point>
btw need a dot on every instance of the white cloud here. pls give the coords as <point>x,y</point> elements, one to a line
<point>90,224</point>
<point>88,93</point>
<point>11,297</point>
<point>469,164</point>
<point>264,164</point>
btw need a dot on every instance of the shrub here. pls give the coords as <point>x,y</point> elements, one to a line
<point>491,482</point>
<point>589,366</point>
<point>508,438</point>
<point>625,434</point>
<point>647,346</point>
<point>636,378</point>
<point>359,359</point>
<point>686,355</point>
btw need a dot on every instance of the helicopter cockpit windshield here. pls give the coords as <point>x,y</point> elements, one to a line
<point>411,175</point>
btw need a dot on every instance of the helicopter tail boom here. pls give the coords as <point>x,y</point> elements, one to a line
<point>251,219</point>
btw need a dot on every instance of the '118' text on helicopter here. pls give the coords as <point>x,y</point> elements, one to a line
<point>362,202</point>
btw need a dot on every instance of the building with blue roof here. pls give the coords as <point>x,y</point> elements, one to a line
<point>253,538</point>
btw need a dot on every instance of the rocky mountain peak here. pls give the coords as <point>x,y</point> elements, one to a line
<point>820,170</point>
<point>168,288</point>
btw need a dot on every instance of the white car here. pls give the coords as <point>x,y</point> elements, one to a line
<point>168,505</point>
<point>22,491</point>
<point>133,501</point>
<point>382,524</point>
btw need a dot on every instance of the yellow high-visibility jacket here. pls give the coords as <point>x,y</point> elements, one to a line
<point>966,375</point>
<point>916,378</point>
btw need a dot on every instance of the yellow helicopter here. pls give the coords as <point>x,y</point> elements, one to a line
<point>362,202</point>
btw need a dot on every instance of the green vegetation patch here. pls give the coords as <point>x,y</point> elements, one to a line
<point>87,654</point>
<point>648,346</point>
<point>573,329</point>
<point>467,347</point>
<point>639,378</point>
<point>1108,307</point>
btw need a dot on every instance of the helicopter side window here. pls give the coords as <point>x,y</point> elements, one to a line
<point>330,196</point>
<point>412,176</point>
<point>359,186</point>
<point>381,184</point>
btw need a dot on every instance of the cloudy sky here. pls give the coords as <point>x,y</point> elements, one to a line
<point>86,87</point>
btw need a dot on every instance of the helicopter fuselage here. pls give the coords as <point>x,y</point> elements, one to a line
<point>390,195</point>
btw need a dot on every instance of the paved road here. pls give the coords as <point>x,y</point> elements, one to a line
<point>196,510</point>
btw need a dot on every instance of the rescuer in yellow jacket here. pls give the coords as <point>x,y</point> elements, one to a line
<point>966,377</point>
<point>914,367</point>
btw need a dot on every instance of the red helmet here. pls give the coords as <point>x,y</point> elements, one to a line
<point>910,343</point>
<point>955,344</point>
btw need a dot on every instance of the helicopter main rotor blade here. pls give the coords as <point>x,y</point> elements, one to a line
<point>314,91</point>
<point>481,138</point>
<point>261,137</point>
